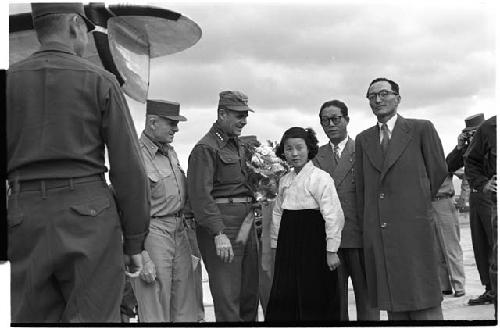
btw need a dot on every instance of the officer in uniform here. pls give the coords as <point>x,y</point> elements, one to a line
<point>221,199</point>
<point>481,170</point>
<point>65,236</point>
<point>480,212</point>
<point>165,291</point>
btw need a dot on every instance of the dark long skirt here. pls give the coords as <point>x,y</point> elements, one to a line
<point>304,289</point>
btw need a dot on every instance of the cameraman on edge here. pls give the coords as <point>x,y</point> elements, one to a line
<point>480,212</point>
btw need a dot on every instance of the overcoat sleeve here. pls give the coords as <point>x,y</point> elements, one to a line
<point>359,180</point>
<point>433,154</point>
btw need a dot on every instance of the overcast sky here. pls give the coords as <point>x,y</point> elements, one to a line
<point>290,58</point>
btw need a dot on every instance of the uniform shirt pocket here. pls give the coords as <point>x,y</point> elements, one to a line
<point>230,169</point>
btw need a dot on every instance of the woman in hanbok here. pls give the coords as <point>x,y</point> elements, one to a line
<point>306,228</point>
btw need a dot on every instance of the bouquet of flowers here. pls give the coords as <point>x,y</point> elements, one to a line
<point>265,171</point>
<point>267,168</point>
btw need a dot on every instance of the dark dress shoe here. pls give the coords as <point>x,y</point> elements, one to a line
<point>447,292</point>
<point>459,293</point>
<point>486,298</point>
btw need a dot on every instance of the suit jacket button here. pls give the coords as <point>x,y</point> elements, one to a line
<point>383,225</point>
<point>381,196</point>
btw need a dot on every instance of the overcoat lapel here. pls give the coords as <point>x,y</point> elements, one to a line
<point>325,159</point>
<point>345,164</point>
<point>373,148</point>
<point>400,138</point>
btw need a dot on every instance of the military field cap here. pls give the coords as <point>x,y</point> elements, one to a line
<point>234,100</point>
<point>473,122</point>
<point>163,108</point>
<point>40,9</point>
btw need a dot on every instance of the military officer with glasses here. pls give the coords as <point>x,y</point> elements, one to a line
<point>337,158</point>
<point>399,168</point>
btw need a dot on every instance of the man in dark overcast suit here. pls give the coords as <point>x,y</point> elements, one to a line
<point>337,158</point>
<point>399,168</point>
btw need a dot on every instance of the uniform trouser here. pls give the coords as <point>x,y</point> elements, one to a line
<point>198,284</point>
<point>353,265</point>
<point>265,281</point>
<point>482,234</point>
<point>65,251</point>
<point>433,313</point>
<point>449,227</point>
<point>494,255</point>
<point>234,286</point>
<point>171,297</point>
<point>266,260</point>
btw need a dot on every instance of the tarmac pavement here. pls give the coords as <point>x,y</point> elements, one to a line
<point>453,308</point>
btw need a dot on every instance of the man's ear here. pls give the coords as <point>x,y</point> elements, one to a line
<point>74,26</point>
<point>152,122</point>
<point>221,112</point>
<point>399,99</point>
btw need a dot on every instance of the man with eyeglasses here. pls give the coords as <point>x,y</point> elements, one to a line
<point>65,235</point>
<point>337,158</point>
<point>399,168</point>
<point>220,198</point>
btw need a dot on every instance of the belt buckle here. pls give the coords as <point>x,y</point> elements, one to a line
<point>230,200</point>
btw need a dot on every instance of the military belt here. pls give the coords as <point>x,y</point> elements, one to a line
<point>46,184</point>
<point>231,200</point>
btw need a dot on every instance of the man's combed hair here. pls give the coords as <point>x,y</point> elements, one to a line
<point>307,134</point>
<point>337,103</point>
<point>394,85</point>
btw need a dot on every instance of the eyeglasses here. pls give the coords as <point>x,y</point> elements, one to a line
<point>382,94</point>
<point>325,121</point>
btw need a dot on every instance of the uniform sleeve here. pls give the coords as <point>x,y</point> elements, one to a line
<point>455,159</point>
<point>474,158</point>
<point>276,218</point>
<point>322,188</point>
<point>200,180</point>
<point>433,154</point>
<point>127,173</point>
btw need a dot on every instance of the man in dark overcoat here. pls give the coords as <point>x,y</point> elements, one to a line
<point>399,168</point>
<point>337,158</point>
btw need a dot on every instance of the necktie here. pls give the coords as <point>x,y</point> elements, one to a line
<point>336,153</point>
<point>385,138</point>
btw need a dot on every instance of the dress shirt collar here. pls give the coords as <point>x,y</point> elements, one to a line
<point>56,46</point>
<point>341,145</point>
<point>390,123</point>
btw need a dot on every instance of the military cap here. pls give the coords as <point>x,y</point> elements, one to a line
<point>40,9</point>
<point>163,108</point>
<point>234,100</point>
<point>473,122</point>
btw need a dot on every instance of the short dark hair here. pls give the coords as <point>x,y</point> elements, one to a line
<point>337,103</point>
<point>394,85</point>
<point>52,23</point>
<point>307,134</point>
